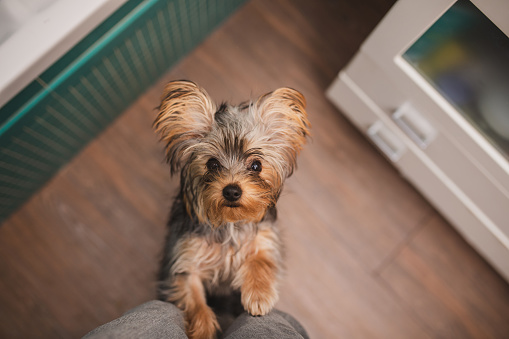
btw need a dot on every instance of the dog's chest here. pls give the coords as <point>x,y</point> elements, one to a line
<point>215,258</point>
<point>222,261</point>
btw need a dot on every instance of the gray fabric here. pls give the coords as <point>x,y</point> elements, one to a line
<point>154,319</point>
<point>157,319</point>
<point>276,324</point>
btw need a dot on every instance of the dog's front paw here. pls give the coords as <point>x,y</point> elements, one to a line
<point>258,298</point>
<point>202,324</point>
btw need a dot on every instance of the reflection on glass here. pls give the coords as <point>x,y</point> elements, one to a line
<point>466,58</point>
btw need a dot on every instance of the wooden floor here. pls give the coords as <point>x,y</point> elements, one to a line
<point>367,256</point>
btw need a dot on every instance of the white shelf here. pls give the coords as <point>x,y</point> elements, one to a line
<point>46,37</point>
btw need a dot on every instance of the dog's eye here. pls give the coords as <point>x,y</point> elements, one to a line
<point>213,164</point>
<point>256,166</point>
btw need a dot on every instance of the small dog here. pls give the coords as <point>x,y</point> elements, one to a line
<point>233,161</point>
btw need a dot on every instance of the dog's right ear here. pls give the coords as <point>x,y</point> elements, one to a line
<point>186,115</point>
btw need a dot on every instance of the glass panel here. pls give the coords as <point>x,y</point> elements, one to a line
<point>466,58</point>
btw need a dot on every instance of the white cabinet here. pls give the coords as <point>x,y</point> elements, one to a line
<point>418,89</point>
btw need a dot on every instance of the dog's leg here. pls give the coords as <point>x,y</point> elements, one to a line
<point>257,277</point>
<point>188,294</point>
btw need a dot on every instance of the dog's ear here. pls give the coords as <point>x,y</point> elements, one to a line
<point>283,112</point>
<point>186,115</point>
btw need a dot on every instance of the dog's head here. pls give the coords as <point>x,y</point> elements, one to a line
<point>234,159</point>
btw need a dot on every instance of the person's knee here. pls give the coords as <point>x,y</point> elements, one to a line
<point>153,319</point>
<point>276,324</point>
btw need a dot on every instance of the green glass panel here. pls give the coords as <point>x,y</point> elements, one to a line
<point>466,58</point>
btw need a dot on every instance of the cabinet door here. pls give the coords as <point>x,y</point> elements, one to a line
<point>432,56</point>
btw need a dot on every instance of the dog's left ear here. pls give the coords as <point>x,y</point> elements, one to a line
<point>186,115</point>
<point>283,112</point>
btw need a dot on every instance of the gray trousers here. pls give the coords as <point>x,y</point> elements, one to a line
<point>157,319</point>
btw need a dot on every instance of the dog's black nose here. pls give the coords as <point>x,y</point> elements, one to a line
<point>232,193</point>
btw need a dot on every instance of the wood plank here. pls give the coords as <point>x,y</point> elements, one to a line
<point>448,286</point>
<point>328,290</point>
<point>86,248</point>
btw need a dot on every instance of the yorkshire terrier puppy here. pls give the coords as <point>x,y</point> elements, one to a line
<point>233,161</point>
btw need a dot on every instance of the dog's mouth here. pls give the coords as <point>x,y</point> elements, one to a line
<point>231,204</point>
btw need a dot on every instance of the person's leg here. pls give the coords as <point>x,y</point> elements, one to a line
<point>154,319</point>
<point>276,324</point>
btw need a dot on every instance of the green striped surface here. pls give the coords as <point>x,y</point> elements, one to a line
<point>44,126</point>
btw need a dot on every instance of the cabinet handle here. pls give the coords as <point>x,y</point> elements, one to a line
<point>388,142</point>
<point>413,123</point>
